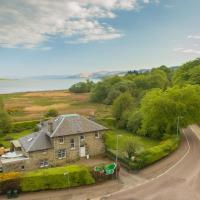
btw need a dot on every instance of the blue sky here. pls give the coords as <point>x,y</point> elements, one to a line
<point>72,36</point>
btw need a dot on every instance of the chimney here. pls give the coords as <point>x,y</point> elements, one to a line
<point>50,127</point>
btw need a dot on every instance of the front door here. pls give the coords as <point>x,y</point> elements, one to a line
<point>82,151</point>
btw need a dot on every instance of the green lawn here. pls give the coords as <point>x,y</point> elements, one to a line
<point>142,142</point>
<point>14,136</point>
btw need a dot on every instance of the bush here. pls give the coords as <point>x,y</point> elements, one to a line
<point>156,153</point>
<point>52,113</point>
<point>21,126</point>
<point>54,178</point>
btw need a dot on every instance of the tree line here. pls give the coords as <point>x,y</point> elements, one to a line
<point>153,103</point>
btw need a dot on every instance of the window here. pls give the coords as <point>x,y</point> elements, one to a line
<point>61,140</point>
<point>44,163</point>
<point>82,137</point>
<point>72,143</point>
<point>97,135</point>
<point>61,153</point>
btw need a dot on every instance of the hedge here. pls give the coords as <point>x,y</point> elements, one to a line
<point>54,178</point>
<point>21,126</point>
<point>156,153</point>
<point>148,156</point>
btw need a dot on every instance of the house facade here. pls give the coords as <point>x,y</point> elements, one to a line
<point>58,142</point>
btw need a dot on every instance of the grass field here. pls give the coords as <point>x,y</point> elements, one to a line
<point>33,105</point>
<point>125,136</point>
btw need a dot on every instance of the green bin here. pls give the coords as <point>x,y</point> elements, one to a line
<point>9,194</point>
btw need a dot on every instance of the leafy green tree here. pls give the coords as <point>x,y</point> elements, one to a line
<point>112,95</point>
<point>82,87</point>
<point>161,109</point>
<point>124,103</point>
<point>188,73</point>
<point>135,122</point>
<point>102,89</point>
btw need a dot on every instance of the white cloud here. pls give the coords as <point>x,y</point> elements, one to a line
<point>187,51</point>
<point>196,37</point>
<point>29,24</point>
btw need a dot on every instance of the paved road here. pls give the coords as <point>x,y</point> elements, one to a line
<point>181,182</point>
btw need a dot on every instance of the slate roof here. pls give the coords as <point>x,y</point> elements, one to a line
<point>36,142</point>
<point>73,124</point>
<point>62,126</point>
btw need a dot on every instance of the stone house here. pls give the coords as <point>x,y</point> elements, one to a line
<point>58,142</point>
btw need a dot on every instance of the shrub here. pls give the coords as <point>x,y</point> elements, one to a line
<point>156,153</point>
<point>21,126</point>
<point>82,87</point>
<point>52,113</point>
<point>54,178</point>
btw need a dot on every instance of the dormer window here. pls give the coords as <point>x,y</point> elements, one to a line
<point>61,140</point>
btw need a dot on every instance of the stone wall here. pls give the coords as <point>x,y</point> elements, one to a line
<point>14,166</point>
<point>95,146</point>
<point>36,157</point>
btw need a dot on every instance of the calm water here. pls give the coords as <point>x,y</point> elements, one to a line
<point>26,85</point>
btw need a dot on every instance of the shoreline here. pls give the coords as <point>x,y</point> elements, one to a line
<point>36,91</point>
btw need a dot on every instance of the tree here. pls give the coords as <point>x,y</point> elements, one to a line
<point>51,113</point>
<point>82,87</point>
<point>188,73</point>
<point>160,110</point>
<point>102,89</point>
<point>130,148</point>
<point>5,121</point>
<point>125,102</point>
<point>134,122</point>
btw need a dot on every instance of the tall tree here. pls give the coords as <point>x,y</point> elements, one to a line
<point>161,110</point>
<point>122,105</point>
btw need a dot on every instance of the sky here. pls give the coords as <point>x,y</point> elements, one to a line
<point>52,37</point>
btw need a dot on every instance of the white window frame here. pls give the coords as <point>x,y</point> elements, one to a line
<point>61,154</point>
<point>44,163</point>
<point>98,135</point>
<point>63,140</point>
<point>72,144</point>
